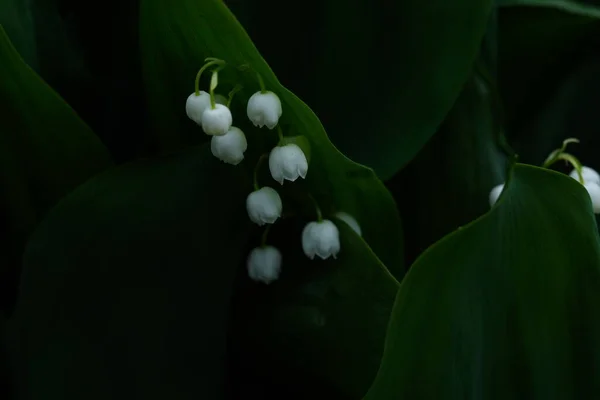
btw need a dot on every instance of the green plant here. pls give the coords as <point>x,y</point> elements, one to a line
<point>142,261</point>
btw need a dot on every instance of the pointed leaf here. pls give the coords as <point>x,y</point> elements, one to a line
<point>505,308</point>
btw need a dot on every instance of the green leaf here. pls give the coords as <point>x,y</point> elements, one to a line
<point>17,20</point>
<point>389,74</point>
<point>539,47</point>
<point>176,38</point>
<point>127,283</point>
<point>505,308</point>
<point>317,314</point>
<point>455,171</point>
<point>45,152</point>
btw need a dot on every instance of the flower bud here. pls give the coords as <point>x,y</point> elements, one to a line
<point>287,162</point>
<point>593,190</point>
<point>350,220</point>
<point>264,206</point>
<point>230,147</point>
<point>264,109</point>
<point>216,121</point>
<point>264,264</point>
<point>321,239</point>
<point>589,175</point>
<point>495,193</point>
<point>196,105</point>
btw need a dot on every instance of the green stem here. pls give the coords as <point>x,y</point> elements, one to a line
<point>236,89</point>
<point>555,155</point>
<point>263,239</point>
<point>317,208</point>
<point>256,168</point>
<point>571,159</point>
<point>279,132</point>
<point>199,74</point>
<point>261,83</point>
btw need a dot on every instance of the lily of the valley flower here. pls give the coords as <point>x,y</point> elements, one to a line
<point>321,238</point>
<point>288,163</point>
<point>588,174</point>
<point>350,220</point>
<point>264,264</point>
<point>230,147</point>
<point>264,109</point>
<point>216,121</point>
<point>593,190</point>
<point>264,206</point>
<point>196,105</point>
<point>495,193</point>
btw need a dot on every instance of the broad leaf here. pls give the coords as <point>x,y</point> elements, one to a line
<point>451,178</point>
<point>538,48</point>
<point>127,283</point>
<point>296,332</point>
<point>505,308</point>
<point>389,73</point>
<point>17,20</point>
<point>177,36</point>
<point>45,152</point>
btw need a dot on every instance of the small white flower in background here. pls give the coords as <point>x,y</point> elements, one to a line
<point>264,264</point>
<point>288,162</point>
<point>230,147</point>
<point>264,109</point>
<point>589,175</point>
<point>216,121</point>
<point>321,239</point>
<point>495,193</point>
<point>220,99</point>
<point>593,190</point>
<point>350,220</point>
<point>264,206</point>
<point>196,105</point>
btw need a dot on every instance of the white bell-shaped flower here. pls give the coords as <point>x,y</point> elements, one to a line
<point>264,264</point>
<point>264,109</point>
<point>216,121</point>
<point>264,206</point>
<point>350,220</point>
<point>196,105</point>
<point>287,163</point>
<point>230,147</point>
<point>589,175</point>
<point>220,99</point>
<point>593,190</point>
<point>321,239</point>
<point>495,193</point>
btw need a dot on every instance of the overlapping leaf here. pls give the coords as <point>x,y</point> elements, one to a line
<point>127,283</point>
<point>45,152</point>
<point>506,307</point>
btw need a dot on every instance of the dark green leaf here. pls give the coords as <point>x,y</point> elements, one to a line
<point>325,319</point>
<point>17,20</point>
<point>538,48</point>
<point>389,73</point>
<point>505,308</point>
<point>177,36</point>
<point>451,178</point>
<point>127,283</point>
<point>45,152</point>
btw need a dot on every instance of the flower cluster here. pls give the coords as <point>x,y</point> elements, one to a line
<point>287,161</point>
<point>588,177</point>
